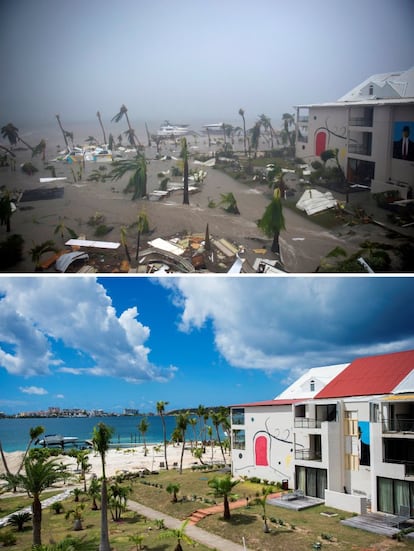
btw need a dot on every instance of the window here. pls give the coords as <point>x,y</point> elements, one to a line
<point>239,439</point>
<point>312,385</point>
<point>392,494</point>
<point>237,416</point>
<point>371,90</point>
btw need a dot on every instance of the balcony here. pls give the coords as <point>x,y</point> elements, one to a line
<point>308,455</point>
<point>306,423</point>
<point>399,423</point>
<point>361,121</point>
<point>359,149</point>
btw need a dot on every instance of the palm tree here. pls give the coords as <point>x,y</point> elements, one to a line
<point>39,475</point>
<point>222,487</point>
<point>124,241</point>
<point>143,429</point>
<point>241,113</point>
<point>273,221</point>
<point>255,137</point>
<point>288,121</point>
<point>64,133</point>
<point>184,156</point>
<point>118,497</point>
<point>142,227</point>
<point>182,424</point>
<point>102,127</point>
<point>11,133</point>
<point>94,491</point>
<point>82,459</point>
<point>123,112</point>
<point>193,423</point>
<point>101,438</point>
<point>266,490</point>
<point>138,180</point>
<point>38,250</point>
<point>180,534</point>
<point>161,412</point>
<point>217,418</point>
<point>173,488</point>
<point>267,125</point>
<point>34,434</point>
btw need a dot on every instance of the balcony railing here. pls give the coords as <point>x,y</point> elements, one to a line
<point>305,423</point>
<point>398,424</point>
<point>359,149</point>
<point>408,465</point>
<point>361,121</point>
<point>308,455</point>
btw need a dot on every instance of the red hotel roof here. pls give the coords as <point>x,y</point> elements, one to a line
<point>371,375</point>
<point>270,403</point>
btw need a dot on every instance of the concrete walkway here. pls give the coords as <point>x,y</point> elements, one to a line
<point>197,534</point>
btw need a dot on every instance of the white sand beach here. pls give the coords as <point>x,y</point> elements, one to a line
<point>127,460</point>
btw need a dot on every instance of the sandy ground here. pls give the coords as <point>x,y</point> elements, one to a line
<point>126,460</point>
<point>303,244</point>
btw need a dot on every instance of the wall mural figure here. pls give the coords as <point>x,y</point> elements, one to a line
<point>403,145</point>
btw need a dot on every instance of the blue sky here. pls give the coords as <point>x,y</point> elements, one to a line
<point>117,342</point>
<point>191,58</point>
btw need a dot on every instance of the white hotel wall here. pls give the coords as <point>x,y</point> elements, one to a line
<point>275,423</point>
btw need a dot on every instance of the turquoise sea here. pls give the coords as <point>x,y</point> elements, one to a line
<point>14,433</point>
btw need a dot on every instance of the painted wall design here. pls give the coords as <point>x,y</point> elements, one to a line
<point>364,443</point>
<point>403,140</point>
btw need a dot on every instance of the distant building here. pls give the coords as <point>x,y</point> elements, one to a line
<point>342,433</point>
<point>372,126</point>
<point>131,411</point>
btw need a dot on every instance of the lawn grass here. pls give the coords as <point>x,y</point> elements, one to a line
<point>289,529</point>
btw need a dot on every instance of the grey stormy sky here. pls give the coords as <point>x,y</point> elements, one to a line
<point>192,59</point>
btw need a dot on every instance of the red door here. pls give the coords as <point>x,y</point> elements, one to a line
<point>260,451</point>
<point>320,143</point>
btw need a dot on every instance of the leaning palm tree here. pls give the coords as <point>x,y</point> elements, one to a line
<point>217,418</point>
<point>11,133</point>
<point>241,113</point>
<point>161,412</point>
<point>267,126</point>
<point>272,222</point>
<point>288,121</point>
<point>102,126</point>
<point>39,475</point>
<point>142,227</point>
<point>222,487</point>
<point>101,439</point>
<point>255,137</point>
<point>64,133</point>
<point>123,112</point>
<point>138,180</point>
<point>184,156</point>
<point>34,434</point>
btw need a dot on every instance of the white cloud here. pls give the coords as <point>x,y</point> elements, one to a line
<point>78,313</point>
<point>39,391</point>
<point>297,322</point>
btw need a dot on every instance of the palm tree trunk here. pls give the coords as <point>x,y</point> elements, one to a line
<point>226,514</point>
<point>3,458</point>
<point>37,521</point>
<point>182,455</point>
<point>133,132</point>
<point>104,540</point>
<point>186,200</point>
<point>63,132</point>
<point>275,245</point>
<point>164,433</point>
<point>102,127</point>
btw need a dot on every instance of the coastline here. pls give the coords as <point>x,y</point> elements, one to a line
<point>126,459</point>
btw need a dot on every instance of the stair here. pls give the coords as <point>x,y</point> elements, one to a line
<point>198,515</point>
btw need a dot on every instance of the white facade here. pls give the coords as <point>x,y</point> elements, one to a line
<point>350,451</point>
<point>364,126</point>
